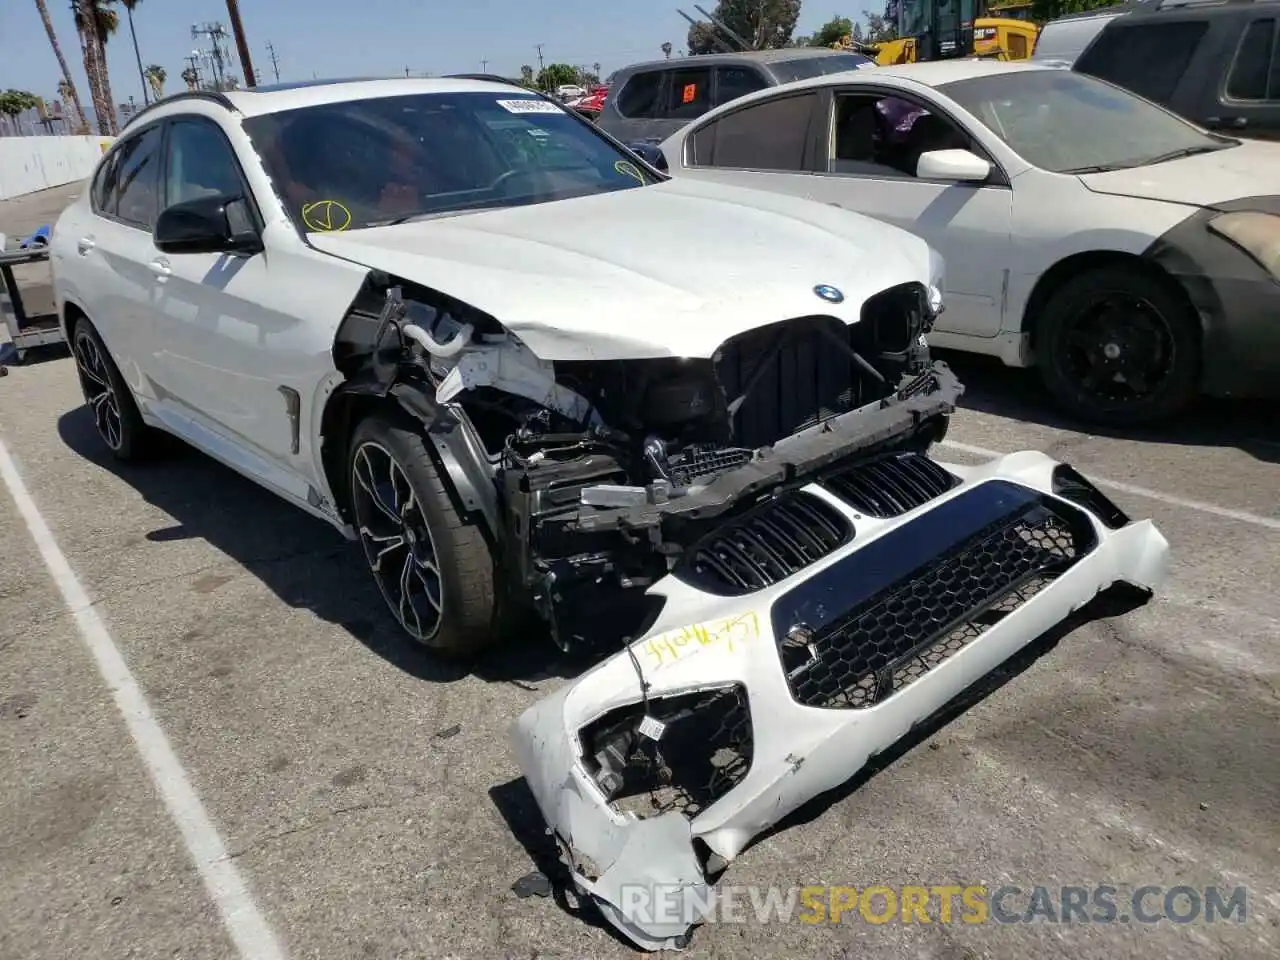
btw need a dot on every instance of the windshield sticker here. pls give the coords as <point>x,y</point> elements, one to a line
<point>690,93</point>
<point>628,169</point>
<point>326,216</point>
<point>529,105</point>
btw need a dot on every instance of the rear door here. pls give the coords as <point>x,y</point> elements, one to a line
<point>1247,98</point>
<point>116,244</point>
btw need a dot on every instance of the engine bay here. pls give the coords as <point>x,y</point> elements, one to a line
<point>607,472</point>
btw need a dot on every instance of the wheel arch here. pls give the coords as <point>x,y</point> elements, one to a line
<point>458,453</point>
<point>1066,269</point>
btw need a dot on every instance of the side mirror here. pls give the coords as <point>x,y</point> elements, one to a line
<point>650,153</point>
<point>214,224</point>
<point>960,166</point>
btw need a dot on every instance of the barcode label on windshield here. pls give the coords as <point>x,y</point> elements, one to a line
<point>529,106</point>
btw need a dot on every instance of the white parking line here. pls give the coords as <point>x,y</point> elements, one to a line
<point>1242,516</point>
<point>247,926</point>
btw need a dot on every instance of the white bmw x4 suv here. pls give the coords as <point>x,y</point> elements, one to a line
<point>531,374</point>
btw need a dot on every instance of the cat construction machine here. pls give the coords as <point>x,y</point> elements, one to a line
<point>951,29</point>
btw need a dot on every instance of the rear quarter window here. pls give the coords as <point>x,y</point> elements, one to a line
<point>1146,58</point>
<point>638,98</point>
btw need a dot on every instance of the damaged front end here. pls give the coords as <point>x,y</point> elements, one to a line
<point>595,477</point>
<point>765,681</point>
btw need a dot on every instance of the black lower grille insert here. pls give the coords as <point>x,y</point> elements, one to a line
<point>765,546</point>
<point>878,620</point>
<point>704,752</point>
<point>892,485</point>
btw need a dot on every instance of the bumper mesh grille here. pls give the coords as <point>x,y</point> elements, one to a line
<point>766,546</point>
<point>896,635</point>
<point>891,486</point>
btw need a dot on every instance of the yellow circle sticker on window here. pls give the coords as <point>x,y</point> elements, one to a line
<point>326,216</point>
<point>628,169</point>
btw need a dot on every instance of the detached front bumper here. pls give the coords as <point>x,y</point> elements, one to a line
<point>765,686</point>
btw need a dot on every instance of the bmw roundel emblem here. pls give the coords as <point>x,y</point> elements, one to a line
<point>828,293</point>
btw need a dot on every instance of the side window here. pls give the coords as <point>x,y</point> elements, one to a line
<point>103,198</point>
<point>885,136</point>
<point>201,163</point>
<point>735,82</point>
<point>1255,73</point>
<point>138,179</point>
<point>638,98</point>
<point>1148,59</point>
<point>767,136</point>
<point>688,93</point>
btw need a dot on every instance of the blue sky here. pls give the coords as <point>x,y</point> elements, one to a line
<point>362,37</point>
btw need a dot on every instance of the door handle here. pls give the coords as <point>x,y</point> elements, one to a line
<point>160,267</point>
<point>84,245</point>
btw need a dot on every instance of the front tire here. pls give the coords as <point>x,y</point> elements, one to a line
<point>1119,347</point>
<point>434,569</point>
<point>115,414</point>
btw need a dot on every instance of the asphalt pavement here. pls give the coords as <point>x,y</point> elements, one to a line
<point>363,798</point>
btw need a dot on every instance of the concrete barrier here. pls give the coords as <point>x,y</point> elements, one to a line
<point>28,164</point>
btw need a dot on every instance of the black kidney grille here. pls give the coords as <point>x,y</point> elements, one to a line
<point>767,546</point>
<point>890,486</point>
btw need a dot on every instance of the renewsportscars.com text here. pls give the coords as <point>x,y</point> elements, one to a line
<point>944,904</point>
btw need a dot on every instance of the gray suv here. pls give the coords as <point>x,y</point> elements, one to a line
<point>651,101</point>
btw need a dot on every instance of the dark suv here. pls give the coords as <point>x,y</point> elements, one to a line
<point>1215,62</point>
<point>651,101</point>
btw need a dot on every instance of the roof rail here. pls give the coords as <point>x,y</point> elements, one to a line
<point>213,96</point>
<point>490,77</point>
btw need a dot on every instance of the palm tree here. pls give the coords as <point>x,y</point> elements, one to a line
<point>68,93</point>
<point>129,6</point>
<point>156,77</point>
<point>96,21</point>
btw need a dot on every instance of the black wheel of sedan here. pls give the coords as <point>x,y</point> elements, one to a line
<point>115,415</point>
<point>434,568</point>
<point>1120,347</point>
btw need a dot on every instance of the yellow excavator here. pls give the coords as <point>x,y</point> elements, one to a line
<point>948,29</point>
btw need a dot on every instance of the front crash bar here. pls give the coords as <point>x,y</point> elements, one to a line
<point>646,875</point>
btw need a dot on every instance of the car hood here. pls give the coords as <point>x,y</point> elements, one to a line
<point>1249,170</point>
<point>673,269</point>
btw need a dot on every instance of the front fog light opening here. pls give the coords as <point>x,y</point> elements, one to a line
<point>684,754</point>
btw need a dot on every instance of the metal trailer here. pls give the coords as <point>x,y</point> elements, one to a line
<point>25,330</point>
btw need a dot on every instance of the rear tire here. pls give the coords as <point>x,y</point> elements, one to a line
<point>1119,347</point>
<point>115,414</point>
<point>434,568</point>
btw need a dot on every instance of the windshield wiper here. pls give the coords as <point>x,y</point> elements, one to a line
<point>1179,154</point>
<point>1098,168</point>
<point>1158,158</point>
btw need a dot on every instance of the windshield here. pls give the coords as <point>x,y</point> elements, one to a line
<point>363,163</point>
<point>1071,123</point>
<point>805,67</point>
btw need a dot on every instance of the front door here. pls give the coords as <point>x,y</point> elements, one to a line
<point>221,354</point>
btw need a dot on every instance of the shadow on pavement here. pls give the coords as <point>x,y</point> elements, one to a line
<point>304,562</point>
<point>991,387</point>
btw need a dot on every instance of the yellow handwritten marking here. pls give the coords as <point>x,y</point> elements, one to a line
<point>628,169</point>
<point>326,216</point>
<point>672,646</point>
